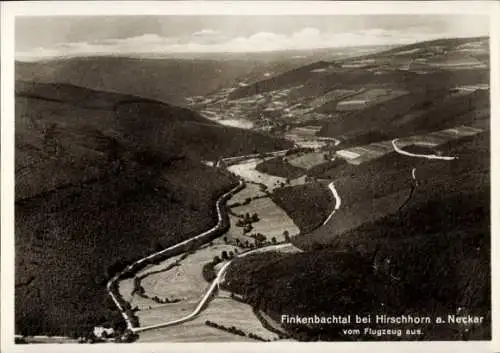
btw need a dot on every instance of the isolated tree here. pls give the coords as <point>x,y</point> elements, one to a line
<point>216,260</point>
<point>260,237</point>
<point>255,217</point>
<point>231,254</point>
<point>286,235</point>
<point>225,239</point>
<point>224,255</point>
<point>273,240</point>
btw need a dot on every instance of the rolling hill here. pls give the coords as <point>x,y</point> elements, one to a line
<point>101,179</point>
<point>428,258</point>
<point>368,98</point>
<point>412,235</point>
<point>108,172</point>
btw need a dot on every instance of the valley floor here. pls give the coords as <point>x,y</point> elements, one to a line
<point>179,279</point>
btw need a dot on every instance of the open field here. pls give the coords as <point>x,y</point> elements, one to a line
<point>184,281</point>
<point>307,160</point>
<point>273,220</point>
<point>221,310</point>
<point>247,171</point>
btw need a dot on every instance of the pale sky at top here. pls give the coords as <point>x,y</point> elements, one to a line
<point>43,37</point>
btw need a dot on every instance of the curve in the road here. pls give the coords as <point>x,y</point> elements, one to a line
<point>205,298</point>
<point>412,191</point>
<point>195,312</point>
<point>331,186</point>
<point>428,156</point>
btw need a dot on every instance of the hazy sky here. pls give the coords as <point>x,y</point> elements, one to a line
<point>42,37</point>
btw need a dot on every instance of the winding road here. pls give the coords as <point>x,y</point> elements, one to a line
<point>428,156</point>
<point>331,186</point>
<point>213,287</point>
<point>182,244</point>
<point>198,308</point>
<point>221,273</point>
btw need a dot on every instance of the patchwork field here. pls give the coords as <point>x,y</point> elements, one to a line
<point>361,154</point>
<point>181,278</point>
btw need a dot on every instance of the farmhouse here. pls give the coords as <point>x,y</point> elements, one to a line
<point>100,331</point>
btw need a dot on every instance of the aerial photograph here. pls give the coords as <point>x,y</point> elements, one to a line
<point>263,178</point>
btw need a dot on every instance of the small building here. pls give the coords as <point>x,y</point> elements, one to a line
<point>102,332</point>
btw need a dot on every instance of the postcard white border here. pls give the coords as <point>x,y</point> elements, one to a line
<point>91,8</point>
